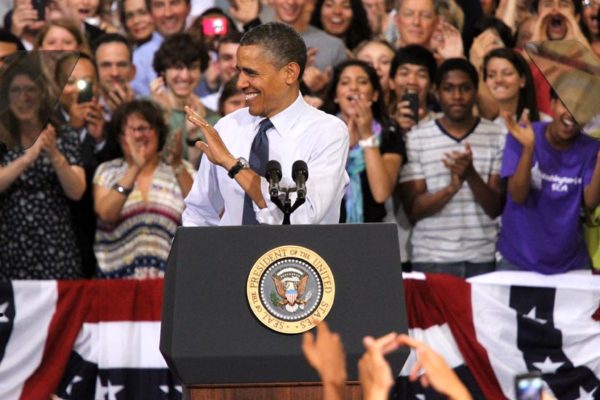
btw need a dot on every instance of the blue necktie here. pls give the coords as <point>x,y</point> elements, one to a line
<point>259,156</point>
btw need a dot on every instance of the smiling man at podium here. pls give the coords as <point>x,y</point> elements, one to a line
<point>230,188</point>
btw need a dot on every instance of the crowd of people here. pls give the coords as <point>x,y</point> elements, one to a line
<point>453,132</point>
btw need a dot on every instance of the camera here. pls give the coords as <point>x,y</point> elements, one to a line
<point>529,386</point>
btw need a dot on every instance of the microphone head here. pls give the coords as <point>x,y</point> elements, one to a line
<point>273,167</point>
<point>299,167</point>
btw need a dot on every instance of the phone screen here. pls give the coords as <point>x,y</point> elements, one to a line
<point>214,26</point>
<point>529,386</point>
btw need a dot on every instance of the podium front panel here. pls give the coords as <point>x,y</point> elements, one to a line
<point>209,334</point>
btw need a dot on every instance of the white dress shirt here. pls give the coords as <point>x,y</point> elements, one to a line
<point>301,132</point>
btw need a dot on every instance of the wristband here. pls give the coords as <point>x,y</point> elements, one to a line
<point>370,142</point>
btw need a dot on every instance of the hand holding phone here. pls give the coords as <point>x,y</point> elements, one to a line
<point>413,99</point>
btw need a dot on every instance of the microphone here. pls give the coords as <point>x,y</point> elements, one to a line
<point>300,176</point>
<point>273,175</point>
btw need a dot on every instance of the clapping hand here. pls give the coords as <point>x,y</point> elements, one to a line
<point>136,149</point>
<point>48,141</point>
<point>431,370</point>
<point>360,117</point>
<point>482,45</point>
<point>33,152</point>
<point>447,42</point>
<point>460,163</point>
<point>374,372</point>
<point>523,132</point>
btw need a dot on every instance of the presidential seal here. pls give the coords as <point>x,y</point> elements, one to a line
<point>289,288</point>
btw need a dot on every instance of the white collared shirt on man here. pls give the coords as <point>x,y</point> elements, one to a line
<point>301,132</point>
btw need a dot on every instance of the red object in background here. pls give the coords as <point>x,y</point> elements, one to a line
<point>214,26</point>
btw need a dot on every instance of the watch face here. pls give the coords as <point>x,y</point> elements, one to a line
<point>243,162</point>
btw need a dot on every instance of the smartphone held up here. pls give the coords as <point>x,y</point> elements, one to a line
<point>413,99</point>
<point>85,91</point>
<point>40,7</point>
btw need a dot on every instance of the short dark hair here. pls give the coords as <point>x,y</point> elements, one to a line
<point>414,54</point>
<point>7,37</point>
<point>112,38</point>
<point>280,41</point>
<point>232,37</point>
<point>454,64</point>
<point>148,110</point>
<point>180,48</point>
<point>149,4</point>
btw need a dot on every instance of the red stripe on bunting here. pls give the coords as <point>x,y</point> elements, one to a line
<point>454,296</point>
<point>71,309</point>
<point>129,300</point>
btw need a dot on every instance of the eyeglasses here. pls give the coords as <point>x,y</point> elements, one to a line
<point>143,129</point>
<point>590,3</point>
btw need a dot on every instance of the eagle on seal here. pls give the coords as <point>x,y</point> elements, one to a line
<point>290,292</point>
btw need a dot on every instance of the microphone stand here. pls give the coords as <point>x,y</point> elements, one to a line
<point>286,206</point>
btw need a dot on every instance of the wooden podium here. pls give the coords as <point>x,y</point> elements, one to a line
<point>219,349</point>
<point>304,391</point>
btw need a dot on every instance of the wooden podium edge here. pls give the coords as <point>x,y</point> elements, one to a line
<point>267,391</point>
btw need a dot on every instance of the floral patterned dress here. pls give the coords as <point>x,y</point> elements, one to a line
<point>37,240</point>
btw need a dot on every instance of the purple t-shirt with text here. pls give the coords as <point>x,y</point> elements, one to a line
<point>545,234</point>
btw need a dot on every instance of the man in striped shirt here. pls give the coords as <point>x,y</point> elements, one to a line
<point>452,180</point>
